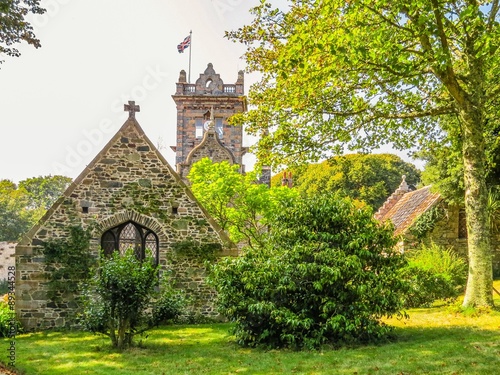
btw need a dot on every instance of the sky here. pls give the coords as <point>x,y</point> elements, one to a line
<point>60,104</point>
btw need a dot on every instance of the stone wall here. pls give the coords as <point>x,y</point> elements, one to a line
<point>128,181</point>
<point>7,258</point>
<point>446,234</point>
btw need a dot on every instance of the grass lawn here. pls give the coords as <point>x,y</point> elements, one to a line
<point>432,341</point>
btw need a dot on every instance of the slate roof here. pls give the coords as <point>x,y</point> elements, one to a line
<point>409,207</point>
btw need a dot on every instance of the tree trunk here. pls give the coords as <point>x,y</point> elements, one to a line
<point>122,332</point>
<point>480,279</point>
<point>112,332</point>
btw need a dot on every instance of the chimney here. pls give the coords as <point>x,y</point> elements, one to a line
<point>287,181</point>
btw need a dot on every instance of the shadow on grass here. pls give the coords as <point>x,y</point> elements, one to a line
<point>209,349</point>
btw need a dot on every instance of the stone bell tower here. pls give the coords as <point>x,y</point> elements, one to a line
<point>202,127</point>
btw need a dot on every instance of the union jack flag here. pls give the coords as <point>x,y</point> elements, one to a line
<point>184,44</point>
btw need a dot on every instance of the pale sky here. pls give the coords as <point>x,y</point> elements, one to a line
<point>60,104</point>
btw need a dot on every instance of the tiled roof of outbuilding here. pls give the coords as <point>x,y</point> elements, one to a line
<point>409,207</point>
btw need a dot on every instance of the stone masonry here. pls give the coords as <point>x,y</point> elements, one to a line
<point>208,98</point>
<point>129,181</point>
<point>7,258</point>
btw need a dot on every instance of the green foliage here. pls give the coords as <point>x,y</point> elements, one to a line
<point>122,300</point>
<point>201,250</point>
<point>21,206</point>
<point>68,262</point>
<point>241,206</point>
<point>370,178</point>
<point>4,286</point>
<point>44,191</point>
<point>327,274</point>
<point>416,75</point>
<point>14,27</point>
<point>434,273</point>
<point>426,222</point>
<point>8,320</point>
<point>444,164</point>
<point>15,218</point>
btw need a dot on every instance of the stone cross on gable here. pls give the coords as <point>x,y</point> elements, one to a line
<point>131,108</point>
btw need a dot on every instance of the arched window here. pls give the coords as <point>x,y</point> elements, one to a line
<point>131,235</point>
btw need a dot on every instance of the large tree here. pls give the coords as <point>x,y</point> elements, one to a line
<point>14,28</point>
<point>357,74</point>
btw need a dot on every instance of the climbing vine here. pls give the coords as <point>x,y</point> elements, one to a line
<point>68,262</point>
<point>426,222</point>
<point>192,248</point>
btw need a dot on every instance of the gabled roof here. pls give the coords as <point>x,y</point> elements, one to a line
<point>409,207</point>
<point>114,149</point>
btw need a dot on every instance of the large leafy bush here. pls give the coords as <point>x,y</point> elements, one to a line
<point>124,299</point>
<point>327,274</point>
<point>434,273</point>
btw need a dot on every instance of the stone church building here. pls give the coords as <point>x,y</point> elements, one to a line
<point>129,196</point>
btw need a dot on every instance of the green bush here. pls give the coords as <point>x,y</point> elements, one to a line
<point>327,274</point>
<point>434,274</point>
<point>4,287</point>
<point>8,319</point>
<point>124,300</point>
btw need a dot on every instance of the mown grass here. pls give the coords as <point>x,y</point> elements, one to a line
<point>432,341</point>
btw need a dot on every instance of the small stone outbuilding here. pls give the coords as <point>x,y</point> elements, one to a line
<point>130,197</point>
<point>406,206</point>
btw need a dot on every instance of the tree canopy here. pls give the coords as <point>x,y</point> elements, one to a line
<point>237,202</point>
<point>22,205</point>
<point>340,75</point>
<point>13,25</point>
<point>370,178</point>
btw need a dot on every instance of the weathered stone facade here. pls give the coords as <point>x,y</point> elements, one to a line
<point>129,181</point>
<point>7,258</point>
<point>208,98</point>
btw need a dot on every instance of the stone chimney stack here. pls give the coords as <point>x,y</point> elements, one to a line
<point>287,181</point>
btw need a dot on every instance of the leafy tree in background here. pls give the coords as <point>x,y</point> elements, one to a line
<point>370,178</point>
<point>13,25</point>
<point>44,191</point>
<point>241,206</point>
<point>328,274</point>
<point>15,218</point>
<point>359,74</point>
<point>22,205</point>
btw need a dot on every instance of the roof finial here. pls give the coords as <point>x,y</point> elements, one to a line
<point>403,186</point>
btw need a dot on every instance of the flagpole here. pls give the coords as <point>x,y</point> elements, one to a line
<point>190,48</point>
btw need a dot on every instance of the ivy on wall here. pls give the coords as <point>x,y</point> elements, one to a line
<point>426,222</point>
<point>68,262</point>
<point>196,249</point>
